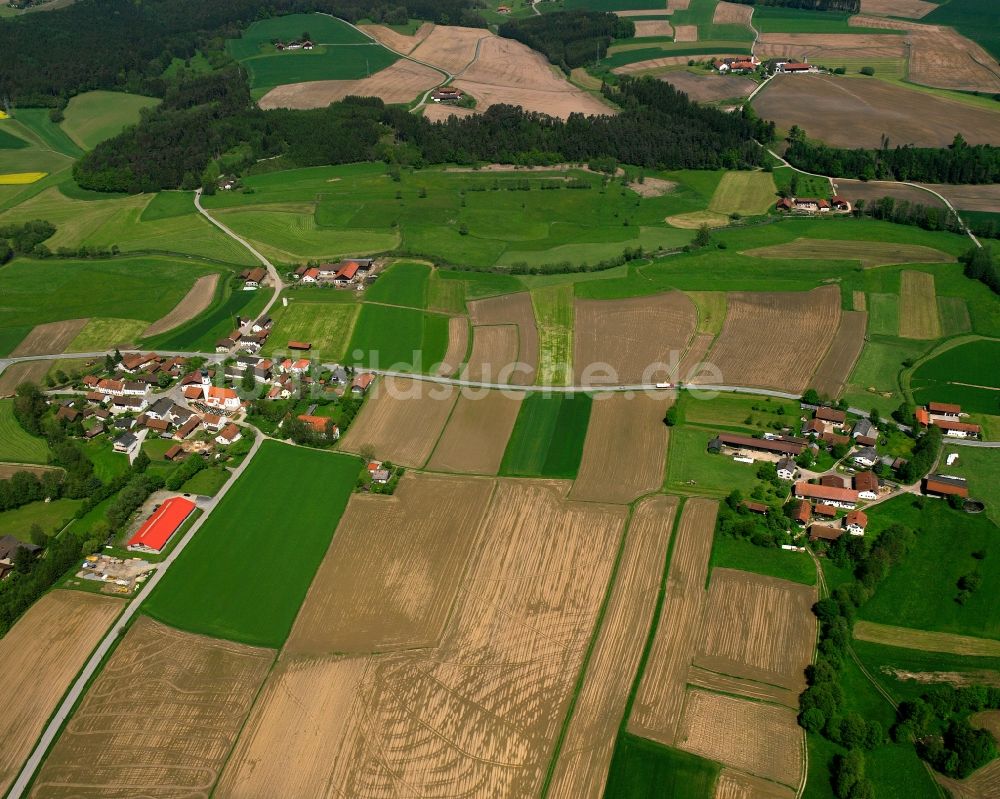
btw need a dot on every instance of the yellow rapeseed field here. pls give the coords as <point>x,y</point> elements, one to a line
<point>20,178</point>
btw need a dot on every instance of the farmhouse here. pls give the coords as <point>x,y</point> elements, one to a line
<point>831,415</point>
<point>825,532</point>
<point>128,404</point>
<point>946,485</point>
<point>311,275</point>
<point>733,441</point>
<point>786,469</point>
<point>346,274</point>
<point>160,409</point>
<point>840,203</point>
<point>802,512</point>
<point>113,388</point>
<point>958,429</point>
<point>856,521</point>
<point>225,398</point>
<point>794,67</point>
<point>252,278</point>
<point>224,345</point>
<point>361,383</point>
<point>319,423</point>
<point>299,345</point>
<point>68,412</point>
<point>838,497</point>
<point>866,456</point>
<point>158,529</point>
<point>823,509</point>
<point>866,484</point>
<point>864,431</point>
<point>832,481</point>
<point>187,428</point>
<point>126,443</point>
<point>229,434</point>
<point>807,205</point>
<point>944,409</point>
<point>446,95</point>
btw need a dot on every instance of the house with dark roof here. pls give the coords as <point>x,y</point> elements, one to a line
<point>825,532</point>
<point>786,468</point>
<point>866,484</point>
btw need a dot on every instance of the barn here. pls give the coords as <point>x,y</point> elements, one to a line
<point>158,529</point>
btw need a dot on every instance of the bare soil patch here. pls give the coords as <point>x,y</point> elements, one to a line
<point>399,42</point>
<point>625,450</point>
<point>836,367</point>
<point>907,638</point>
<point>49,339</point>
<point>913,9</point>
<point>872,190</point>
<point>39,657</point>
<point>582,767</point>
<point>820,103</point>
<point>474,440</point>
<point>750,689</point>
<point>710,88</point>
<point>458,345</point>
<point>26,372</point>
<point>869,253</point>
<point>494,353</point>
<point>828,48</point>
<point>652,187</point>
<point>732,14</point>
<point>400,82</point>
<point>659,702</point>
<point>393,570</point>
<point>685,33</point>
<point>160,719</point>
<point>639,339</point>
<point>758,627</point>
<point>966,198</point>
<point>762,739</point>
<point>512,309</point>
<point>451,48</point>
<point>776,340</point>
<point>402,420</point>
<point>959,679</point>
<point>198,298</point>
<point>677,5</point>
<point>8,470</point>
<point>653,27</point>
<point>739,785</point>
<point>661,63</point>
<point>918,310</point>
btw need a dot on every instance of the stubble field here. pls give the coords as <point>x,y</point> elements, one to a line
<point>709,88</point>
<point>475,438</point>
<point>734,784</point>
<point>400,82</point>
<point>458,345</point>
<point>869,253</point>
<point>515,310</point>
<point>493,355</point>
<point>835,369</point>
<point>49,338</point>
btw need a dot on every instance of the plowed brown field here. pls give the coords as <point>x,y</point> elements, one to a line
<point>400,82</point>
<point>967,198</point>
<point>639,338</point>
<point>494,354</point>
<point>709,88</point>
<point>659,702</point>
<point>835,368</point>
<point>659,63</point>
<point>871,190</point>
<point>775,340</point>
<point>393,570</point>
<point>732,14</point>
<point>827,48</point>
<point>198,298</point>
<point>983,784</point>
<point>401,420</point>
<point>685,33</point>
<point>39,657</point>
<point>737,785</point>
<point>582,766</point>
<point>25,372</point>
<point>48,339</point>
<point>653,27</point>
<point>913,9</point>
<point>458,345</point>
<point>399,42</point>
<point>764,740</point>
<point>476,435</point>
<point>869,253</point>
<point>477,715</point>
<point>160,719</point>
<point>758,627</point>
<point>512,309</point>
<point>625,450</point>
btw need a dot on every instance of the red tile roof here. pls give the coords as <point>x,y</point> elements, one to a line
<point>943,407</point>
<point>959,427</point>
<point>347,271</point>
<point>866,481</point>
<point>158,528</point>
<point>813,491</point>
<point>825,510</point>
<point>858,517</point>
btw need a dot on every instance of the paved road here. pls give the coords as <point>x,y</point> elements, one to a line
<point>88,671</point>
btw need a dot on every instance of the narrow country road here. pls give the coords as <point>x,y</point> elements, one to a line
<point>90,669</point>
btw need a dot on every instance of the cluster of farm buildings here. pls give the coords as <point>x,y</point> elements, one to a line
<point>342,273</point>
<point>741,65</point>
<point>947,417</point>
<point>814,205</point>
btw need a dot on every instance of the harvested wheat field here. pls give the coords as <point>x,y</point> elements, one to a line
<point>836,366</point>
<point>659,701</point>
<point>693,362</point>
<point>439,112</point>
<point>918,311</point>
<point>494,354</point>
<point>477,715</point>
<point>666,62</point>
<point>474,440</point>
<point>393,570</point>
<point>25,372</point>
<point>645,28</point>
<point>732,14</point>
<point>869,253</point>
<point>625,450</point>
<point>640,339</point>
<point>677,5</point>
<point>734,784</point>
<point>908,638</point>
<point>49,338</point>
<point>512,309</point>
<point>402,420</point>
<point>458,345</point>
<point>859,301</point>
<point>748,353</point>
<point>452,48</point>
<point>685,33</point>
<point>758,627</point>
<point>912,9</point>
<point>198,298</point>
<point>582,765</point>
<point>764,740</point>
<point>709,88</point>
<point>982,784</point>
<point>829,48</point>
<point>399,42</point>
<point>820,103</point>
<point>871,190</point>
<point>39,657</point>
<point>400,82</point>
<point>984,197</point>
<point>506,71</point>
<point>736,686</point>
<point>160,719</point>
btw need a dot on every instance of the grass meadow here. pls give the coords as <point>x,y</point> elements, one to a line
<point>406,339</point>
<point>50,516</point>
<point>643,769</point>
<point>103,334</point>
<point>403,283</point>
<point>547,440</point>
<point>961,375</point>
<point>92,117</point>
<point>16,445</point>
<point>554,314</point>
<point>692,470</point>
<point>979,467</point>
<point>800,20</point>
<point>218,321</point>
<point>738,553</point>
<point>325,325</point>
<point>245,574</point>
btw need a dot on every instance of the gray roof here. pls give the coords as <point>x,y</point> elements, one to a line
<point>868,453</point>
<point>126,439</point>
<point>161,407</point>
<point>786,463</point>
<point>864,427</point>
<point>9,545</point>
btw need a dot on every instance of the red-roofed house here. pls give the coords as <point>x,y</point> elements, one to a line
<point>361,383</point>
<point>311,275</point>
<point>944,409</point>
<point>923,417</point>
<point>840,497</point>
<point>346,273</point>
<point>225,398</point>
<point>823,509</point>
<point>193,393</point>
<point>802,512</point>
<point>856,521</point>
<point>229,434</point>
<point>957,429</point>
<point>318,423</point>
<point>157,530</point>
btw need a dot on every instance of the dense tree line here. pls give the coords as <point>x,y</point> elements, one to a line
<point>24,487</point>
<point>174,145</point>
<point>981,264</point>
<point>121,44</point>
<point>850,6</point>
<point>570,39</point>
<point>24,239</point>
<point>958,163</point>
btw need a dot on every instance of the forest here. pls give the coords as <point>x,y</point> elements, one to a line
<point>570,39</point>
<point>173,146</point>
<point>850,6</point>
<point>960,162</point>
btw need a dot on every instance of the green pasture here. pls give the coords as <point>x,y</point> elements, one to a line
<point>10,337</point>
<point>108,464</point>
<point>167,205</point>
<point>201,333</point>
<point>322,29</point>
<point>738,411</point>
<point>807,185</point>
<point>325,325</point>
<point>9,141</point>
<point>399,338</point>
<point>692,470</point>
<point>46,133</point>
<point>613,5</point>
<point>547,440</point>
<point>218,586</point>
<point>644,769</point>
<point>207,482</point>
<point>50,516</point>
<point>981,468</point>
<point>883,314</point>
<point>965,375</point>
<point>874,383</point>
<point>770,19</point>
<point>554,313</point>
<point>92,117</point>
<point>103,334</point>
<point>738,553</point>
<point>445,295</point>
<point>943,553</point>
<point>968,16</point>
<point>403,283</point>
<point>16,445</point>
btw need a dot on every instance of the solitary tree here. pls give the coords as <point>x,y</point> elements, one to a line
<point>37,534</point>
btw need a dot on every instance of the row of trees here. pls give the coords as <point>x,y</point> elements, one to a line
<point>24,239</point>
<point>981,264</point>
<point>570,39</point>
<point>850,6</point>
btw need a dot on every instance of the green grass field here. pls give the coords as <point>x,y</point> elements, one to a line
<point>47,132</point>
<point>883,314</point>
<point>737,553</point>
<point>735,410</point>
<point>16,445</point>
<point>874,383</point>
<point>8,141</point>
<point>691,470</point>
<point>108,464</point>
<point>547,440</point>
<point>806,185</point>
<point>92,117</point>
<point>959,376</point>
<point>979,467</point>
<point>246,572</point>
<point>102,334</point>
<point>207,482</point>
<point>217,322</point>
<point>643,769</point>
<point>322,29</point>
<point>795,20</point>
<point>168,205</point>
<point>403,283</point>
<point>554,314</point>
<point>745,193</point>
<point>50,516</point>
<point>967,17</point>
<point>325,325</point>
<point>445,295</point>
<point>943,554</point>
<point>401,338</point>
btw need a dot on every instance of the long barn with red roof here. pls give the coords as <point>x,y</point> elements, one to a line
<point>159,528</point>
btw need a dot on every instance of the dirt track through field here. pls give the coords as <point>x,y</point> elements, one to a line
<point>512,309</point>
<point>399,42</point>
<point>907,638</point>
<point>659,702</point>
<point>836,367</point>
<point>393,570</point>
<point>39,657</point>
<point>869,253</point>
<point>582,767</point>
<point>160,719</point>
<point>750,689</point>
<point>451,48</point>
<point>494,353</point>
<point>758,627</point>
<point>475,438</point>
<point>775,340</point>
<point>625,450</point>
<point>198,298</point>
<point>48,339</point>
<point>458,345</point>
<point>402,420</point>
<point>734,784</point>
<point>632,337</point>
<point>918,310</point>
